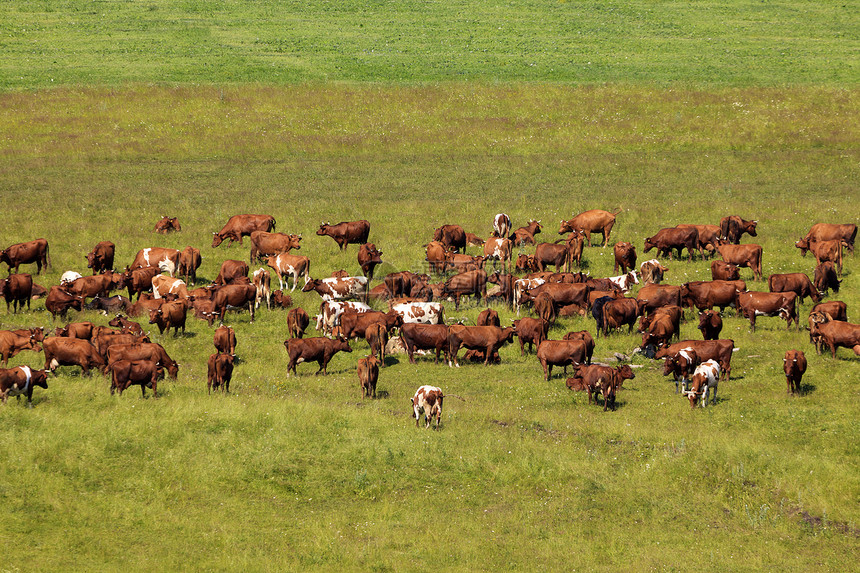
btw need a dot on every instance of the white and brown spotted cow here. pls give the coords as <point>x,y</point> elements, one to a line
<point>337,288</point>
<point>330,311</point>
<point>163,285</point>
<point>523,285</point>
<point>420,312</point>
<point>287,264</point>
<point>705,378</point>
<point>263,281</point>
<point>428,401</point>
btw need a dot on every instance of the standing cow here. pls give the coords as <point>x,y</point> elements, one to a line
<point>794,365</point>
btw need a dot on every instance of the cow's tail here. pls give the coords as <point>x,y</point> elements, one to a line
<point>453,396</point>
<point>307,274</point>
<point>48,257</point>
<point>615,212</point>
<point>274,224</point>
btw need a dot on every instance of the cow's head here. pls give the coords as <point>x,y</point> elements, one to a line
<point>566,227</point>
<point>39,378</point>
<point>154,315</point>
<point>803,245</point>
<point>312,284</point>
<point>323,230</point>
<point>649,244</point>
<point>217,239</point>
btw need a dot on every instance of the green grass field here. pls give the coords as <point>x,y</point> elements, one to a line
<point>379,111</point>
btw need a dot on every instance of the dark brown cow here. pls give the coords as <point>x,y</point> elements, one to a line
<point>225,340</point>
<point>719,350</point>
<point>144,305</point>
<point>417,336</point>
<point>109,305</point>
<point>368,374</point>
<point>487,339</point>
<point>705,295</point>
<point>219,372</point>
<point>376,336</point>
<point>593,295</point>
<point>368,257</point>
<point>794,365</point>
<point>100,259</point>
<point>401,283</point>
<point>17,290</point>
<point>354,324</point>
<point>836,309</point>
<point>667,240</point>
<point>125,373</point>
<point>189,262</point>
<point>316,349</point>
<point>506,286</point>
<point>235,296</point>
<point>732,227</point>
<point>604,379</point>
<point>169,315</point>
<point>239,226</point>
<point>230,271</point>
<point>297,321</point>
<point>560,353</point>
<point>59,302</point>
<point>167,225</point>
<point>827,232</point>
<point>743,256</point>
<point>783,304</point>
<point>347,232</point>
<point>552,254</point>
<point>143,351</point>
<point>594,221</point>
<point>96,285</point>
<point>155,257</point>
<point>532,331</point>
<point>11,343</point>
<point>708,235</point>
<point>617,313</point>
<point>826,278</point>
<point>652,297</point>
<point>675,313</point>
<point>138,281</point>
<point>625,257</point>
<point>723,271</point>
<point>661,329</point>
<point>265,244</point>
<point>82,330</point>
<point>453,237</point>
<point>526,235</point>
<point>711,324</point>
<point>20,381</point>
<point>71,352</point>
<point>798,283</point>
<point>488,317</point>
<point>824,251</point>
<point>526,263</point>
<point>103,338</point>
<point>25,253</point>
<point>463,284</point>
<point>834,334</point>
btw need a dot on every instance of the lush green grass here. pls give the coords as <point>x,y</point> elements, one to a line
<point>299,473</point>
<point>713,43</point>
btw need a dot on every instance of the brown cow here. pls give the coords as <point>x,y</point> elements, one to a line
<point>743,256</point>
<point>723,271</point>
<point>562,294</point>
<point>682,364</point>
<point>225,340</point>
<point>675,313</point>
<point>827,232</point>
<point>167,225</point>
<point>487,339</point>
<point>17,289</point>
<point>263,282</point>
<point>155,257</point>
<point>219,371</point>
<point>705,295</point>
<point>281,300</point>
<point>826,278</point>
<point>368,258</point>
<point>545,307</point>
<point>652,272</point>
<point>143,306</point>
<point>617,313</point>
<point>126,325</point>
<point>604,379</point>
<point>625,257</point>
<point>11,343</point>
<point>652,297</point>
<point>667,240</point>
<point>189,262</point>
<point>376,336</point>
<point>71,352</point>
<point>526,263</point>
<point>593,221</point>
<point>297,321</point>
<point>25,253</point>
<point>316,349</point>
<point>418,336</point>
<point>235,296</point>
<point>354,324</point>
<point>21,380</point>
<point>96,285</point>
<point>473,240</point>
<point>143,351</point>
<point>794,365</point>
<point>59,302</point>
<point>452,237</point>
<point>368,374</point>
<point>823,251</point>
<point>834,334</point>
<point>82,330</point>
<point>661,329</point>
<point>732,227</point>
<point>100,259</point>
<point>345,233</point>
<point>560,353</point>
<point>124,373</point>
<point>719,350</point>
<point>169,315</point>
<point>436,256</point>
<point>526,235</point>
<point>230,271</point>
<point>798,283</point>
<point>103,338</point>
<point>836,309</point>
<point>532,331</point>
<point>463,262</point>
<point>783,304</point>
<point>711,324</point>
<point>239,226</point>
<point>265,244</point>
<point>552,254</point>
<point>138,281</point>
<point>401,283</point>
<point>468,283</point>
<point>506,286</point>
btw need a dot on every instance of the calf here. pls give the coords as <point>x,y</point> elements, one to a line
<point>719,350</point>
<point>794,365</point>
<point>297,321</point>
<point>189,262</point>
<point>11,343</point>
<point>21,380</point>
<point>428,401</point>
<point>219,372</point>
<point>368,374</point>
<point>281,300</point>
<point>417,336</point>
<point>100,259</point>
<point>230,271</point>
<point>167,225</point>
<point>681,365</point>
<point>652,272</point>
<point>668,240</point>
<point>532,331</point>
<point>225,340</point>
<point>560,353</point>
<point>743,256</point>
<point>317,349</point>
<point>376,336</point>
<point>586,337</point>
<point>705,378</point>
<point>110,304</point>
<point>711,324</point>
<point>126,325</point>
<point>262,281</point>
<point>625,257</point>
<point>124,373</point>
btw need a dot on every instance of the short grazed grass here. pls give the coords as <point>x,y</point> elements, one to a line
<point>299,473</point>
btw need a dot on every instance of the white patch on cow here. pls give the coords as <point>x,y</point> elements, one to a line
<point>146,255</point>
<point>69,277</point>
<point>166,266</point>
<point>54,364</point>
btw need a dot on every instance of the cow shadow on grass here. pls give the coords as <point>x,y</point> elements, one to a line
<point>806,388</point>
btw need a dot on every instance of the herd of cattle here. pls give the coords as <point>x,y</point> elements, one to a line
<point>161,286</point>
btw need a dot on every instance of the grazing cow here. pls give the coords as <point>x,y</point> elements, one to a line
<point>604,379</point>
<point>667,240</point>
<point>345,233</point>
<point>100,259</point>
<point>487,339</point>
<point>501,225</point>
<point>719,350</point>
<point>711,324</point>
<point>743,256</point>
<point>162,286</point>
<point>532,331</point>
<point>297,321</point>
<point>708,236</point>
<point>59,302</point>
<point>143,351</point>
<point>708,294</point>
<point>25,253</point>
<point>652,297</point>
<point>823,251</point>
<point>368,374</point>
<point>452,237</point>
<point>661,329</point>
<point>652,272</point>
<point>420,312</point>
<point>143,306</point>
<point>20,381</point>
<point>827,232</point>
<point>235,297</point>
<point>154,257</point>
<point>794,365</point>
<point>126,325</point>
<point>545,307</point>
<point>167,225</point>
<point>17,289</point>
<point>418,336</point>
<point>625,257</point>
<point>560,353</point>
<point>334,288</point>
<point>220,371</point>
<point>71,352</point>
<point>586,337</point>
<point>723,271</point>
<point>499,249</point>
<point>505,289</point>
<point>618,312</point>
<point>836,309</point>
<point>82,330</point>
<point>732,227</point>
<point>239,226</point>
<point>675,313</point>
<point>593,221</point>
<point>189,262</point>
<point>265,244</point>
<point>103,338</point>
<point>783,304</point>
<point>488,317</point>
<point>145,373</point>
<point>317,349</point>
<point>262,281</point>
<point>681,365</point>
<point>526,235</point>
<point>826,277</point>
<point>355,324</point>
<point>798,283</point>
<point>368,257</point>
<point>11,343</point>
<point>401,283</point>
<point>286,264</point>
<point>230,271</point>
<point>473,240</point>
<point>428,401</point>
<point>376,336</point>
<point>225,340</point>
<point>834,334</point>
<point>468,283</point>
<point>704,380</point>
<point>139,280</point>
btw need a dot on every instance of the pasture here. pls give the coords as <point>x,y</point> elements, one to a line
<point>300,473</point>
